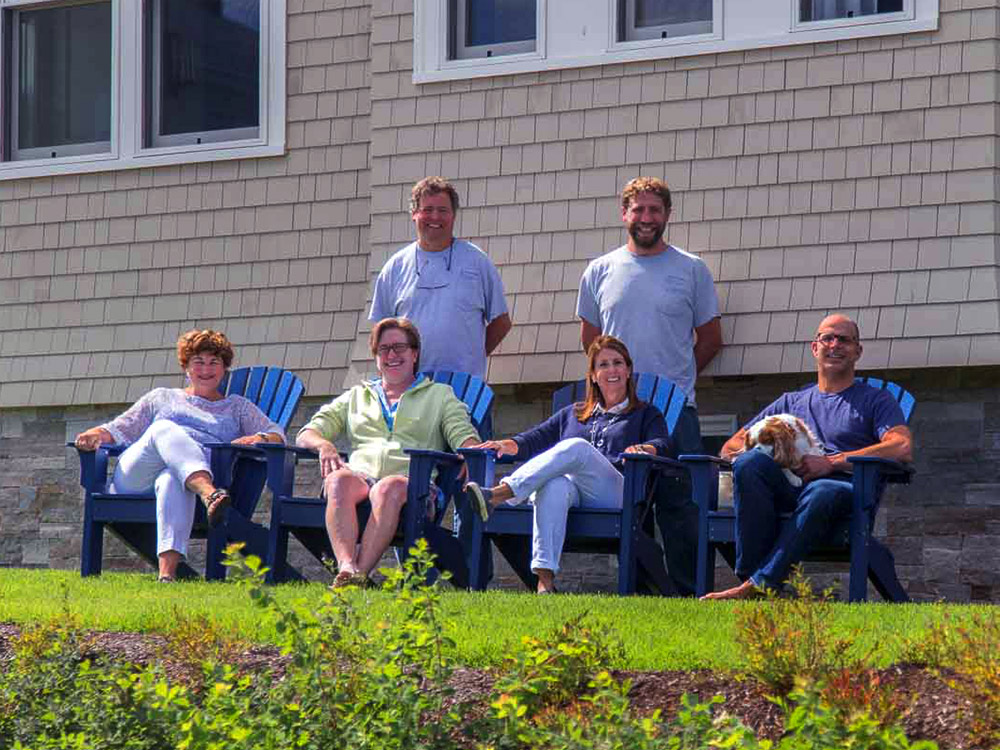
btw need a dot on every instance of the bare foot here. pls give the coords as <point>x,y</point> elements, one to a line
<point>745,590</point>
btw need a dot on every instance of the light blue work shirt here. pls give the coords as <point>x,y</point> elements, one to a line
<point>451,296</point>
<point>652,303</point>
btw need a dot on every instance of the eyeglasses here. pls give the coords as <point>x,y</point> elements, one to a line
<point>400,348</point>
<point>829,339</point>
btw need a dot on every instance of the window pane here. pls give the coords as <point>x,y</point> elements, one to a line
<point>209,65</point>
<point>499,21</point>
<point>670,12</point>
<point>821,10</point>
<point>64,76</point>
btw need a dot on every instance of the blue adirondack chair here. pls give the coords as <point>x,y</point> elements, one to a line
<point>304,517</point>
<point>853,542</point>
<point>240,469</point>
<point>598,530</point>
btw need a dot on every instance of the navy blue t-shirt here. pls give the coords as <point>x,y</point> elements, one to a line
<point>853,418</point>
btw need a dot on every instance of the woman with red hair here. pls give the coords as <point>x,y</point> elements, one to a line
<point>166,431</point>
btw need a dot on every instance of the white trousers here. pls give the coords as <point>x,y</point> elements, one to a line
<point>160,462</point>
<point>569,474</point>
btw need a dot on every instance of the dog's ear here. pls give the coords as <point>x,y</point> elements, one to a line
<point>783,437</point>
<point>748,440</point>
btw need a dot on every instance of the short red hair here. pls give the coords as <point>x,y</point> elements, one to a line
<point>201,342</point>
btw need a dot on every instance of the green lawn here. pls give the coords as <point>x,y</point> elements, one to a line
<point>656,633</point>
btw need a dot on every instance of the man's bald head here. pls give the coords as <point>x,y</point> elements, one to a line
<point>831,320</point>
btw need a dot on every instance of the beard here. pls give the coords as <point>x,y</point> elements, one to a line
<point>646,244</point>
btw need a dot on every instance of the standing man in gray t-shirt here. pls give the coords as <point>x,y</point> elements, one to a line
<point>447,286</point>
<point>661,302</point>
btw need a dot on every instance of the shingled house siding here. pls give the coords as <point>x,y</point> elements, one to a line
<point>858,175</point>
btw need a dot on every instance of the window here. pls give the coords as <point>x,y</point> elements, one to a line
<point>484,28</point>
<point>114,84</point>
<point>203,71</point>
<point>463,39</point>
<point>822,10</point>
<point>60,63</point>
<point>661,19</point>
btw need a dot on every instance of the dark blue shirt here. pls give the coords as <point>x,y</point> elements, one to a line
<point>846,421</point>
<point>611,434</point>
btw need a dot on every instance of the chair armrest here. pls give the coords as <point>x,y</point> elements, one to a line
<point>694,458</point>
<point>94,465</point>
<point>282,448</point>
<point>659,463</point>
<point>894,471</point>
<point>438,456</point>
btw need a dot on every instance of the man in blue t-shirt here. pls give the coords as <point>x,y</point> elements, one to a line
<point>850,419</point>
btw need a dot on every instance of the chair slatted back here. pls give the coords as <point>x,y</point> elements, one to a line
<point>474,393</point>
<point>653,389</point>
<point>274,390</point>
<point>903,397</point>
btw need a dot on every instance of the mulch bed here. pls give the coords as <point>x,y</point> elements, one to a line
<point>934,710</point>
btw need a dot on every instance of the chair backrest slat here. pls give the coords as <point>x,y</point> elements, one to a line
<point>653,389</point>
<point>275,391</point>
<point>903,397</point>
<point>472,391</point>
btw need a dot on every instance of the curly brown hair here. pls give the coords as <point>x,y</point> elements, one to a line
<point>404,325</point>
<point>202,342</point>
<point>653,185</point>
<point>432,186</point>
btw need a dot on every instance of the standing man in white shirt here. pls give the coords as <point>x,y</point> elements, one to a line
<point>661,301</point>
<point>447,286</point>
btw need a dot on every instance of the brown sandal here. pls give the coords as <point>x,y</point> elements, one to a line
<point>215,505</point>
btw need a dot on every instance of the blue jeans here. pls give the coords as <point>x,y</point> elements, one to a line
<point>766,549</point>
<point>676,513</point>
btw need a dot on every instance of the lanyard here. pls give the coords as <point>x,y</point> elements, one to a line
<point>416,258</point>
<point>389,410</point>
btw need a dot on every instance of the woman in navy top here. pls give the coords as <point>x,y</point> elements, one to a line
<point>571,457</point>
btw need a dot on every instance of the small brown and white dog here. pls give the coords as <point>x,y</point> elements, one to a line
<point>786,439</point>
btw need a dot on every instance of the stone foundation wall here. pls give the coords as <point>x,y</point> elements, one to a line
<point>944,529</point>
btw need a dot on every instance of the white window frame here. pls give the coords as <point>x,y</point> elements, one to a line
<point>151,94</point>
<point>16,153</point>
<point>465,51</point>
<point>128,99</point>
<point>906,14</point>
<point>628,33</point>
<point>584,33</point>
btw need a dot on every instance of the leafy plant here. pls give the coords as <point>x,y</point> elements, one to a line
<point>966,655</point>
<point>788,638</point>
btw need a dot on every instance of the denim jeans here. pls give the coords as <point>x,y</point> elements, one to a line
<point>766,549</point>
<point>675,512</point>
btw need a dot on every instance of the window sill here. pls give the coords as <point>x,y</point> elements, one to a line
<point>148,158</point>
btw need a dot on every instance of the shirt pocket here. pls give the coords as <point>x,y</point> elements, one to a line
<point>675,297</point>
<point>469,294</point>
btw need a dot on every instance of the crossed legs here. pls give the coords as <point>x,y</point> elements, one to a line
<point>172,464</point>
<point>570,473</point>
<point>345,490</point>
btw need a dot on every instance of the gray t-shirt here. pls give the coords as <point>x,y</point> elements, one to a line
<point>451,295</point>
<point>653,303</point>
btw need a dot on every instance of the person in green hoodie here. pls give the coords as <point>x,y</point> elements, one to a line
<point>380,418</point>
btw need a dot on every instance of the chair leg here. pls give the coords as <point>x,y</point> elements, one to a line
<point>882,571</point>
<point>93,544</point>
<point>214,552</point>
<point>277,546</point>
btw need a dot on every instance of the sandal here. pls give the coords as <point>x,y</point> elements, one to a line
<point>347,578</point>
<point>215,504</point>
<point>166,579</point>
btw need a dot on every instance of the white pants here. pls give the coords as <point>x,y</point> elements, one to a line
<point>569,474</point>
<point>160,462</point>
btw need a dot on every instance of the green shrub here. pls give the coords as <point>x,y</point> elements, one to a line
<point>966,655</point>
<point>788,638</point>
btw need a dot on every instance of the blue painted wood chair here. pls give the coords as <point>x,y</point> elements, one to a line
<point>593,530</point>
<point>305,517</point>
<point>239,469</point>
<point>852,542</point>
